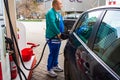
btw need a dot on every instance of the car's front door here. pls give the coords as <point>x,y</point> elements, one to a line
<point>85,29</point>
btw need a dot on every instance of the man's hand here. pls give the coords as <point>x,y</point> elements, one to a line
<point>59,36</point>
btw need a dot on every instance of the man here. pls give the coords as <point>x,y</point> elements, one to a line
<point>54,28</point>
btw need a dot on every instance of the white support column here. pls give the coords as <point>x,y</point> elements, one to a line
<point>4,57</point>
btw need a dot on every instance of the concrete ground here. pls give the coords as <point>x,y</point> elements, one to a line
<point>35,32</point>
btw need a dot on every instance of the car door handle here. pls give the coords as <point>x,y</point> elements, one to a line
<point>86,66</point>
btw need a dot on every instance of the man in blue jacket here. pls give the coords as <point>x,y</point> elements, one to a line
<point>54,28</point>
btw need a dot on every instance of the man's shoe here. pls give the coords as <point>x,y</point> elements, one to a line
<point>57,69</point>
<point>51,73</point>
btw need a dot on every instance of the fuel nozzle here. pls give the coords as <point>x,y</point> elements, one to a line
<point>65,35</point>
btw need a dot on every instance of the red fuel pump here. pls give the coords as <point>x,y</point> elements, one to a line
<point>28,52</point>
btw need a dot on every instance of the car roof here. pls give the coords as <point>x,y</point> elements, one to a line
<point>106,7</point>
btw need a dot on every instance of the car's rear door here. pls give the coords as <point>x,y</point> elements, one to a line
<point>107,47</point>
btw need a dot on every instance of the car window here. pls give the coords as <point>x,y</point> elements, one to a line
<point>107,42</point>
<point>85,25</point>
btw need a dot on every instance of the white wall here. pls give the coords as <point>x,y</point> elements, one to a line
<point>77,5</point>
<point>81,5</point>
<point>69,5</point>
